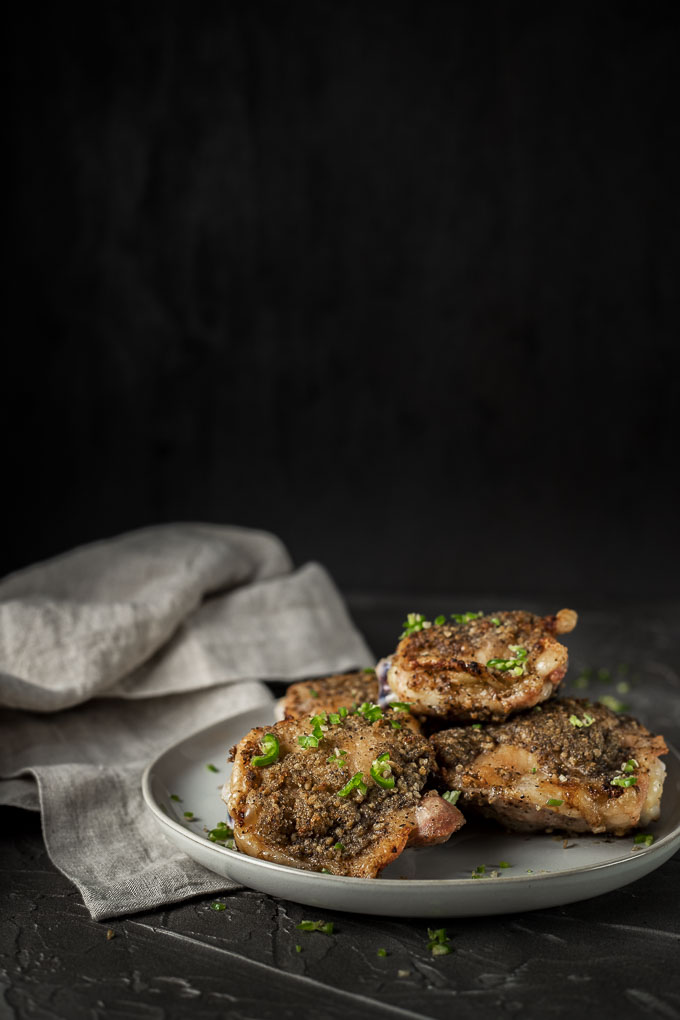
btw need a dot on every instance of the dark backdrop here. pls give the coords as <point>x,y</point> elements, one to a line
<point>395,281</point>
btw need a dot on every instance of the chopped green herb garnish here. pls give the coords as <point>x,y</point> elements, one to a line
<point>270,748</point>
<point>466,617</point>
<point>339,846</point>
<point>504,864</point>
<point>400,706</point>
<point>306,740</point>
<point>218,906</point>
<point>623,687</point>
<point>395,725</point>
<point>440,621</point>
<point>495,621</point>
<point>609,701</point>
<point>641,839</point>
<point>355,783</point>
<point>480,869</point>
<point>334,719</point>
<point>369,669</point>
<point>325,871</point>
<point>325,926</point>
<point>624,781</point>
<point>220,833</point>
<point>382,952</point>
<point>476,726</point>
<point>313,692</point>
<point>516,666</point>
<point>298,949</point>
<point>381,771</point>
<point>452,796</point>
<point>414,622</point>
<point>343,712</point>
<point>188,814</point>
<point>173,796</point>
<point>631,765</point>
<point>587,720</point>
<point>336,759</point>
<point>555,802</point>
<point>211,768</point>
<point>534,771</point>
<point>439,942</point>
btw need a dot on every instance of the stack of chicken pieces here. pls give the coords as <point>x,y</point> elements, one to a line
<point>463,716</point>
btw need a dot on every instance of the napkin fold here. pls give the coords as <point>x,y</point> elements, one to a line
<point>112,652</point>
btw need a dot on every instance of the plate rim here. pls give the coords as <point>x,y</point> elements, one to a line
<point>352,881</point>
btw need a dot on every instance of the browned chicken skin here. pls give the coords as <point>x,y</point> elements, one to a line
<point>290,812</point>
<point>485,668</point>
<point>567,764</point>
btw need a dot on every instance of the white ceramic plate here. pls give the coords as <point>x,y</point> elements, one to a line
<point>543,872</point>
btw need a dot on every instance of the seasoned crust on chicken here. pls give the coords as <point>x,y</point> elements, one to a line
<point>555,753</point>
<point>445,670</point>
<point>290,812</point>
<point>333,692</point>
<point>330,693</point>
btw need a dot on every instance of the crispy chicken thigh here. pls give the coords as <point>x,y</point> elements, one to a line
<point>567,764</point>
<point>330,693</point>
<point>485,668</point>
<point>350,805</point>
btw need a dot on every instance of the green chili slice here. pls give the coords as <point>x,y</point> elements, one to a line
<point>270,746</point>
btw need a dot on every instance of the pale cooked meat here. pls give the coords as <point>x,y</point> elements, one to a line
<point>485,668</point>
<point>568,764</point>
<point>331,693</point>
<point>290,812</point>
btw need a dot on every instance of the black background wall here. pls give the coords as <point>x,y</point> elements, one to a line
<point>395,281</point>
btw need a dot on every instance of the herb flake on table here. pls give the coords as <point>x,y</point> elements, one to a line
<point>439,943</point>
<point>323,926</point>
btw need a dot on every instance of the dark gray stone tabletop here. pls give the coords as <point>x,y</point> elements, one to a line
<point>614,955</point>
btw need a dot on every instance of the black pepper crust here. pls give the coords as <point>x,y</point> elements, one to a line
<point>445,667</point>
<point>293,805</point>
<point>491,765</point>
<point>329,693</point>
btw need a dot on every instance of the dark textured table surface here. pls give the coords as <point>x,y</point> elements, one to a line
<point>614,955</point>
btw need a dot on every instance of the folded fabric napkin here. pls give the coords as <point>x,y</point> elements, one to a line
<point>114,651</point>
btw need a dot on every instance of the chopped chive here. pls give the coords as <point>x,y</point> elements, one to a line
<point>624,781</point>
<point>188,814</point>
<point>173,796</point>
<point>298,949</point>
<point>325,926</point>
<point>382,952</point>
<point>369,669</point>
<point>534,771</point>
<point>630,765</point>
<point>211,768</point>
<point>476,726</point>
<point>504,864</point>
<point>400,706</point>
<point>395,725</point>
<point>439,942</point>
<point>342,711</point>
<point>480,869</point>
<point>466,617</point>
<point>495,621</point>
<point>451,796</point>
<point>516,666</point>
<point>643,839</point>
<point>339,846</point>
<point>334,718</point>
<point>313,692</point>
<point>306,740</point>
<point>555,802</point>
<point>439,621</point>
<point>218,906</point>
<point>356,782</point>
<point>413,623</point>
<point>381,771</point>
<point>325,871</point>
